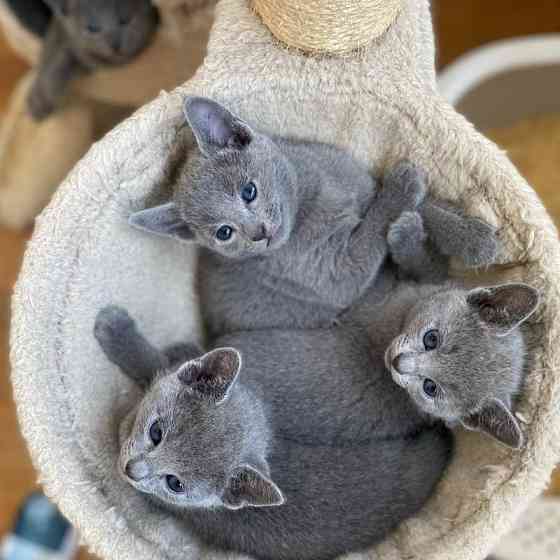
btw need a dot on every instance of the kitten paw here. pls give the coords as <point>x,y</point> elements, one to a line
<point>405,186</point>
<point>111,324</point>
<point>39,105</point>
<point>480,244</point>
<point>406,236</point>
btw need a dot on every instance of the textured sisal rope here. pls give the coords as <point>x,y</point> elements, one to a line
<point>327,26</point>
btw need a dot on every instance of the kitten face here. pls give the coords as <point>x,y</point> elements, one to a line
<point>237,192</point>
<point>111,30</point>
<point>237,203</point>
<point>172,450</point>
<point>236,195</point>
<point>185,444</point>
<point>461,351</point>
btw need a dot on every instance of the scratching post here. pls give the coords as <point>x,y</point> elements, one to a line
<point>327,26</point>
<point>378,101</point>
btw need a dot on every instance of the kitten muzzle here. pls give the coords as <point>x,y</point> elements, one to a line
<point>137,469</point>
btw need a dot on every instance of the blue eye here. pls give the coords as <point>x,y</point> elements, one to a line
<point>174,484</point>
<point>156,433</point>
<point>249,192</point>
<point>431,340</point>
<point>224,233</point>
<point>430,388</point>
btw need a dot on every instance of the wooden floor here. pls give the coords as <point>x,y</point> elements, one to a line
<point>460,25</point>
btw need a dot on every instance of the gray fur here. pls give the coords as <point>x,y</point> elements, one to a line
<point>314,239</point>
<point>82,36</point>
<point>313,422</point>
<point>479,361</point>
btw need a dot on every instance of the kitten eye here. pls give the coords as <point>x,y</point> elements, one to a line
<point>249,192</point>
<point>431,340</point>
<point>93,28</point>
<point>174,484</point>
<point>156,433</point>
<point>430,387</point>
<point>224,233</point>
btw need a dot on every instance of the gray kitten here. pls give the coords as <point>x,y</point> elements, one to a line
<point>82,36</point>
<point>276,461</point>
<point>292,232</point>
<point>459,353</point>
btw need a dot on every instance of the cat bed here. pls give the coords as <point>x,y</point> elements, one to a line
<point>30,168</point>
<point>380,102</point>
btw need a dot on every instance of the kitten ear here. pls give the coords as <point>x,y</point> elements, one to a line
<point>213,375</point>
<point>496,420</point>
<point>505,306</point>
<point>214,127</point>
<point>162,220</point>
<point>248,487</point>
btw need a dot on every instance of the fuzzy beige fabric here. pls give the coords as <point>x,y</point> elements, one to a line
<point>381,104</point>
<point>173,56</point>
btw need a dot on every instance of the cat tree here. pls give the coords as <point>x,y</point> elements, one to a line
<point>360,74</point>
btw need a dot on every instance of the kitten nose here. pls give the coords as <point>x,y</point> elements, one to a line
<point>403,363</point>
<point>262,233</point>
<point>136,469</point>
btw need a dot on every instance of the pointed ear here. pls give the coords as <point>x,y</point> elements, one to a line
<point>213,375</point>
<point>214,127</point>
<point>248,487</point>
<point>496,420</point>
<point>162,220</point>
<point>505,306</point>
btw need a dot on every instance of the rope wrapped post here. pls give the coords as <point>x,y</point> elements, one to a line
<point>327,26</point>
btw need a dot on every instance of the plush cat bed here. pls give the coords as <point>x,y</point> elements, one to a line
<point>379,102</point>
<point>30,168</point>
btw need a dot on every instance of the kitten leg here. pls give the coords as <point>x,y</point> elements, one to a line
<point>125,346</point>
<point>361,255</point>
<point>411,250</point>
<point>457,235</point>
<point>56,68</point>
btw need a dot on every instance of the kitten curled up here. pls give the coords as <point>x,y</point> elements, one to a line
<point>82,36</point>
<point>292,453</point>
<point>459,353</point>
<point>292,232</point>
<point>311,451</point>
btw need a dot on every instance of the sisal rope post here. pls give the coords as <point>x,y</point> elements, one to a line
<point>327,26</point>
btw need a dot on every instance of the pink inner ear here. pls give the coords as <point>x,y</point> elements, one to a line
<point>220,132</point>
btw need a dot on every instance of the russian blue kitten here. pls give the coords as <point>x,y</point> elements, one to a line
<point>263,455</point>
<point>459,353</point>
<point>291,232</point>
<point>82,36</point>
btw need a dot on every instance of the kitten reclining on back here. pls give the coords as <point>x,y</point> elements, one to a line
<point>293,232</point>
<point>84,35</point>
<point>281,463</point>
<point>459,353</point>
